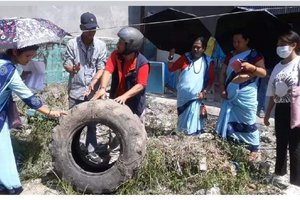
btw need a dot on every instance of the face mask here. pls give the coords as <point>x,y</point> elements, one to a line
<point>283,51</point>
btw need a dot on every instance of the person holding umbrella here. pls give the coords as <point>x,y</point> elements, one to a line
<point>10,81</point>
<point>238,79</point>
<point>192,85</point>
<point>85,57</point>
<point>284,76</point>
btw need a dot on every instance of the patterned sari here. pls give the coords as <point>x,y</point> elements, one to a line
<point>237,119</point>
<point>10,81</point>
<point>192,80</point>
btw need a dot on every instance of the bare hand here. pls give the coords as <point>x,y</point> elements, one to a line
<point>89,89</point>
<point>56,114</point>
<point>76,68</point>
<point>247,67</point>
<point>241,78</point>
<point>171,54</point>
<point>201,95</point>
<point>99,94</point>
<point>224,94</point>
<point>73,69</point>
<point>121,99</point>
<point>266,119</point>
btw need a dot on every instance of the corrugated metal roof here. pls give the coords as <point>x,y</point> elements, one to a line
<point>275,10</point>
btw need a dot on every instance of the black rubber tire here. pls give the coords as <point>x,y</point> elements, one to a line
<point>129,129</point>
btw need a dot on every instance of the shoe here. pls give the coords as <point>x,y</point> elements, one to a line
<point>2,192</point>
<point>114,154</point>
<point>94,158</point>
<point>261,114</point>
<point>280,181</point>
<point>292,189</point>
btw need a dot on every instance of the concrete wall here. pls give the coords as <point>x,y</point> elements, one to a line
<point>110,16</point>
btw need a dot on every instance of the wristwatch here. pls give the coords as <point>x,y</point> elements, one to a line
<point>170,58</point>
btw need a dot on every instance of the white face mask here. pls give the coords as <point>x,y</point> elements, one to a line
<point>283,51</point>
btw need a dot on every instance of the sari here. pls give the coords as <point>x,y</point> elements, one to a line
<point>192,80</point>
<point>10,81</point>
<point>237,118</point>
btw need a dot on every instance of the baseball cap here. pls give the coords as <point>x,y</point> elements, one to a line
<point>88,21</point>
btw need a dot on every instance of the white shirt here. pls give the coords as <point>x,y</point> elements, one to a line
<point>283,78</point>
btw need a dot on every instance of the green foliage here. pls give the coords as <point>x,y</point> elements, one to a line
<point>34,150</point>
<point>151,176</point>
<point>159,173</point>
<point>36,155</point>
<point>62,185</point>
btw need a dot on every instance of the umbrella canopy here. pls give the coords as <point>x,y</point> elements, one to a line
<point>178,34</point>
<point>262,27</point>
<point>293,19</point>
<point>22,32</point>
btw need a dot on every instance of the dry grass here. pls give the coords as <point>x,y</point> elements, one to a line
<point>173,164</point>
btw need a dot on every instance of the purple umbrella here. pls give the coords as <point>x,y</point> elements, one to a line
<point>22,32</point>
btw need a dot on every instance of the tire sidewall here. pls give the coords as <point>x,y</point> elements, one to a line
<point>121,120</point>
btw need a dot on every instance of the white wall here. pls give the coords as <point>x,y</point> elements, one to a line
<point>110,16</point>
<point>162,56</point>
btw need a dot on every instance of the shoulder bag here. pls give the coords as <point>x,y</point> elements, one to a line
<point>295,103</point>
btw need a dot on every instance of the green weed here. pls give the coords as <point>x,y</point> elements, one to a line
<point>34,149</point>
<point>152,175</point>
<point>159,174</point>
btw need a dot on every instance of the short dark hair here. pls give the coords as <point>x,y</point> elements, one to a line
<point>242,32</point>
<point>245,34</point>
<point>203,41</point>
<point>291,37</point>
<point>22,50</point>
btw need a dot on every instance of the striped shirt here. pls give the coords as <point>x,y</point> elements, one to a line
<point>91,59</point>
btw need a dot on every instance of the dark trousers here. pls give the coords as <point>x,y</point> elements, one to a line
<point>91,137</point>
<point>287,137</point>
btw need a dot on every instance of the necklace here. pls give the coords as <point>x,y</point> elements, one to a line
<point>194,68</point>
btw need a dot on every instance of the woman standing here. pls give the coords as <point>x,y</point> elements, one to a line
<point>284,76</point>
<point>192,84</point>
<point>237,119</point>
<point>10,81</point>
